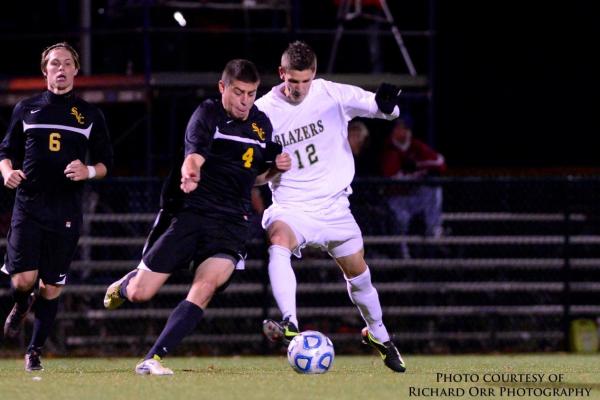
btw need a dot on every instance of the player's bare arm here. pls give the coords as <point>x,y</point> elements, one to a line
<point>190,172</point>
<point>12,177</point>
<point>78,171</point>
<point>283,162</point>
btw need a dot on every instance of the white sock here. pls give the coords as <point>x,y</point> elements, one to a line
<point>363,294</point>
<point>283,281</point>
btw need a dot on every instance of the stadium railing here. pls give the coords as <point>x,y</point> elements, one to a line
<point>519,259</point>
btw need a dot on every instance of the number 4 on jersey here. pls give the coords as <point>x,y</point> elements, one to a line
<point>248,156</point>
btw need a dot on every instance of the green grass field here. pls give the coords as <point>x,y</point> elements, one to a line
<point>360,377</point>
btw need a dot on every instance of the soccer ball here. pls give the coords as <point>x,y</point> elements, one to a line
<point>311,352</point>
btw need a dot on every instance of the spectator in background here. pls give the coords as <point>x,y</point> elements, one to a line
<point>367,205</point>
<point>358,138</point>
<point>408,158</point>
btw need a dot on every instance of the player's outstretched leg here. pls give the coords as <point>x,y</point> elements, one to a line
<point>283,331</point>
<point>14,321</point>
<point>152,366</point>
<point>115,293</point>
<point>388,351</point>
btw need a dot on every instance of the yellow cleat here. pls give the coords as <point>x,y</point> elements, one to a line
<point>112,297</point>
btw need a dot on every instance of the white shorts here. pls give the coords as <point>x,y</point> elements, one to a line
<point>333,229</point>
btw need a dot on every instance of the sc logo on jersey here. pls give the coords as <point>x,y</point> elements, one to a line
<point>78,116</point>
<point>256,129</point>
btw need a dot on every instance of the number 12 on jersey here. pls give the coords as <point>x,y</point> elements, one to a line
<point>311,154</point>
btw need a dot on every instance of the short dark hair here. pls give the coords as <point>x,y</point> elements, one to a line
<point>299,56</point>
<point>64,45</point>
<point>240,70</point>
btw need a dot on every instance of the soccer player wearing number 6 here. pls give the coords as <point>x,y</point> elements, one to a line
<point>205,208</point>
<point>43,156</point>
<point>310,201</point>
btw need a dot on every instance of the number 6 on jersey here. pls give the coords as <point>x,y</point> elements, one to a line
<point>54,141</point>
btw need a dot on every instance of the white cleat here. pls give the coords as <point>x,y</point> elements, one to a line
<point>152,367</point>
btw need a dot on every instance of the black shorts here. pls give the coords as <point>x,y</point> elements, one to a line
<point>31,247</point>
<point>191,238</point>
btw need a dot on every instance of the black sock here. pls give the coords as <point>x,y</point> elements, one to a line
<point>123,289</point>
<point>182,322</point>
<point>20,298</point>
<point>45,314</point>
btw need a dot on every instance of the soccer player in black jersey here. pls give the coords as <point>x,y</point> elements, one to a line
<point>43,156</point>
<point>204,220</point>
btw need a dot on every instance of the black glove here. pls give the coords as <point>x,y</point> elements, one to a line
<point>387,97</point>
<point>271,151</point>
<point>409,165</point>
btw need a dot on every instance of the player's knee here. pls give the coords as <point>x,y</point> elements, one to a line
<point>23,282</point>
<point>354,271</point>
<point>281,238</point>
<point>50,292</point>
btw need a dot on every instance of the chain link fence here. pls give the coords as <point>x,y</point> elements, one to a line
<point>506,266</point>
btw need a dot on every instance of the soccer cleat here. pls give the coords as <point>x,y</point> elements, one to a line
<point>32,361</point>
<point>388,351</point>
<point>112,297</point>
<point>152,366</point>
<point>283,331</point>
<point>15,319</point>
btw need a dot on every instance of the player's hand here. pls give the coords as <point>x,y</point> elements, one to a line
<point>189,182</point>
<point>283,162</point>
<point>76,171</point>
<point>387,97</point>
<point>14,178</point>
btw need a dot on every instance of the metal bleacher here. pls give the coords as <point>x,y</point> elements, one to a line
<point>510,272</point>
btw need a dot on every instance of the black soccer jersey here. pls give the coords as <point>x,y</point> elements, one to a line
<point>47,132</point>
<point>235,152</point>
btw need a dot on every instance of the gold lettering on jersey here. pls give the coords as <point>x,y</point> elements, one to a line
<point>80,118</point>
<point>298,135</point>
<point>258,130</point>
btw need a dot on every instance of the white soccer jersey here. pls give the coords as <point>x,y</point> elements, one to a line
<point>315,134</point>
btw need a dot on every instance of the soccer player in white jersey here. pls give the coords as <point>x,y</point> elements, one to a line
<point>310,201</point>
